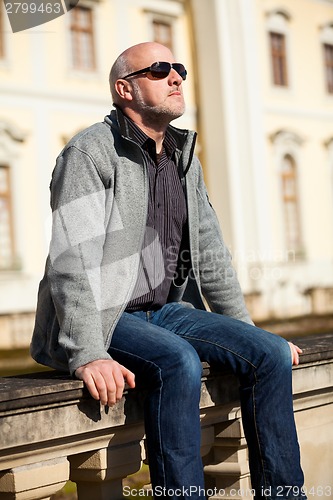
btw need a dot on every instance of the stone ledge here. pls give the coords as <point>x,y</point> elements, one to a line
<point>315,348</point>
<point>48,420</point>
<point>50,387</point>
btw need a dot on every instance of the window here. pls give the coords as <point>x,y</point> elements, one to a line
<point>6,226</point>
<point>82,39</point>
<point>279,59</point>
<point>328,61</point>
<point>326,39</point>
<point>162,33</point>
<point>287,151</point>
<point>329,146</point>
<point>2,41</point>
<point>278,29</point>
<point>290,203</point>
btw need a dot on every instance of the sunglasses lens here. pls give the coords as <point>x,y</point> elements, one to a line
<point>180,68</point>
<point>162,69</point>
<point>159,73</point>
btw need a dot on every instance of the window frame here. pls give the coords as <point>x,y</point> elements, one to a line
<point>76,30</point>
<point>326,40</point>
<point>287,143</point>
<point>290,199</point>
<point>328,67</point>
<point>279,59</point>
<point>2,33</point>
<point>8,196</point>
<point>164,17</point>
<point>278,25</point>
<point>167,22</point>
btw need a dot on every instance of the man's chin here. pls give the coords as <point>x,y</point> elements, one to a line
<point>162,115</point>
<point>173,114</point>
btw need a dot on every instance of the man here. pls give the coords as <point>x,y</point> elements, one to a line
<point>135,245</point>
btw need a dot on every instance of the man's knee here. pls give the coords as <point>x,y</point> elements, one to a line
<point>277,354</point>
<point>186,366</point>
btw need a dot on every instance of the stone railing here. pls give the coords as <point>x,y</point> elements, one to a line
<point>15,329</point>
<point>51,430</point>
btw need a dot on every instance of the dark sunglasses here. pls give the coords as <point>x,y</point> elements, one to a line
<point>161,70</point>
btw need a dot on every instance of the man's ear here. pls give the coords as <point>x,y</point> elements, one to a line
<point>124,89</point>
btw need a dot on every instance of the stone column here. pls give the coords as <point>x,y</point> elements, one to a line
<point>227,468</point>
<point>99,474</point>
<point>35,481</point>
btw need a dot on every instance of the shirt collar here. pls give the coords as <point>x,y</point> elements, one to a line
<point>145,142</point>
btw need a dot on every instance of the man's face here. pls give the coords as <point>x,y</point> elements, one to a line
<point>158,99</point>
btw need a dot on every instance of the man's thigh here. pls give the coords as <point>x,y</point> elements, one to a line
<point>142,346</point>
<point>221,339</point>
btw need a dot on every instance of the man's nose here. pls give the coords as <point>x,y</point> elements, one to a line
<point>174,77</point>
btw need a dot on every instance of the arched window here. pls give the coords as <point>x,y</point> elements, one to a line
<point>289,191</point>
<point>288,157</point>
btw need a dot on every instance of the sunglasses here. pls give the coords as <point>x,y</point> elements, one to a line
<point>161,70</point>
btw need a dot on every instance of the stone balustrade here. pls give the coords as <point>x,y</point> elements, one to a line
<point>52,430</point>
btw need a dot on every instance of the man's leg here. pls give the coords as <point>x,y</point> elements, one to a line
<point>262,362</point>
<point>169,368</point>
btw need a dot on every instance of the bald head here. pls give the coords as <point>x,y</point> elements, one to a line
<point>136,57</point>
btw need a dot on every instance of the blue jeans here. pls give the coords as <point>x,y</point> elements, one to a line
<point>164,349</point>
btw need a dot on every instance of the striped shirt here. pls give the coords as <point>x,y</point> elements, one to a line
<point>167,215</point>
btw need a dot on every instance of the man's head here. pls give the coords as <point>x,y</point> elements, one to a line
<point>149,97</point>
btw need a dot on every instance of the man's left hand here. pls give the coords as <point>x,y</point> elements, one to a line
<point>295,352</point>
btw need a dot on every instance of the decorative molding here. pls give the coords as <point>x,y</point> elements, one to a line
<point>329,143</point>
<point>287,137</point>
<point>326,33</point>
<point>13,131</point>
<point>277,14</point>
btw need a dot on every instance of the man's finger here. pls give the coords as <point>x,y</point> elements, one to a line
<point>120,383</point>
<point>129,376</point>
<point>93,381</point>
<point>105,380</point>
<point>101,386</point>
<point>90,384</point>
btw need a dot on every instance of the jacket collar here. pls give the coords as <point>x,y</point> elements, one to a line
<point>184,139</point>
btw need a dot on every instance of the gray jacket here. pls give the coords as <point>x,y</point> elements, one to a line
<point>99,199</point>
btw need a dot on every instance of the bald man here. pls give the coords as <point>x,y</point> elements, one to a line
<point>135,249</point>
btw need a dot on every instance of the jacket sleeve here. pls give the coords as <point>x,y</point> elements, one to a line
<point>218,279</point>
<point>78,200</point>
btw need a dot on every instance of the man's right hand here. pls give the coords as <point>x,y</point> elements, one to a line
<point>105,380</point>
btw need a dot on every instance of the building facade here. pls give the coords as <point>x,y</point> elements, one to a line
<point>266,105</point>
<point>260,94</point>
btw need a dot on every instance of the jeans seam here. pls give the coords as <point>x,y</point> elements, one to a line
<point>253,397</point>
<point>256,429</point>
<point>159,405</point>
<point>160,432</point>
<point>204,341</point>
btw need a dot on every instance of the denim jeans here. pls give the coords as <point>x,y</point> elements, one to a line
<point>164,349</point>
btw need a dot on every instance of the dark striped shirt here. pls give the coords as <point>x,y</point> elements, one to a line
<point>167,215</point>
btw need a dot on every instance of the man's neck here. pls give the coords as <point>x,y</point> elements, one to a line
<point>157,132</point>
